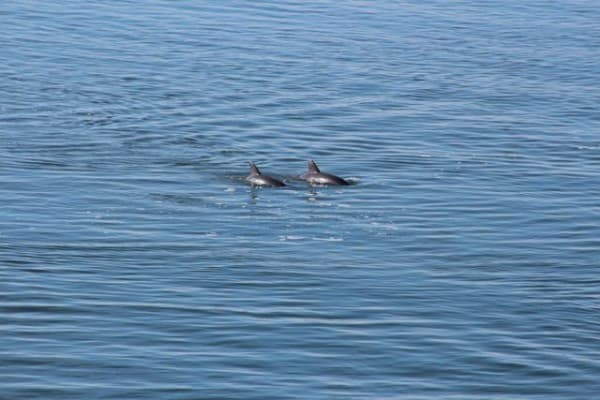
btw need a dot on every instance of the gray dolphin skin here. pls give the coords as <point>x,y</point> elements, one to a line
<point>257,179</point>
<point>314,176</point>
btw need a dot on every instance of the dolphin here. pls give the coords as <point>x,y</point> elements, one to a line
<point>257,179</point>
<point>314,176</point>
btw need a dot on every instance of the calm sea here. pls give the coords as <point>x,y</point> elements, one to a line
<point>463,263</point>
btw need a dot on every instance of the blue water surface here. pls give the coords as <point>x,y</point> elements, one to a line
<point>462,263</point>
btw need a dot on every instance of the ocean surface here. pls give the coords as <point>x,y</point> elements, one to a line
<point>462,263</point>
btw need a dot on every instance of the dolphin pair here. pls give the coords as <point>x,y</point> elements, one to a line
<point>313,176</point>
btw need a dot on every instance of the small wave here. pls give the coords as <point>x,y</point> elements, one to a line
<point>286,238</point>
<point>328,239</point>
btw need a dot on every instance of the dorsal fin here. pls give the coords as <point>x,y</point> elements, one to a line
<point>253,168</point>
<point>312,167</point>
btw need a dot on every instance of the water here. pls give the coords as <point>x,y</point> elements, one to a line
<point>463,262</point>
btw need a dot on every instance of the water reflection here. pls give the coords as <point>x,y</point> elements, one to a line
<point>253,195</point>
<point>311,195</point>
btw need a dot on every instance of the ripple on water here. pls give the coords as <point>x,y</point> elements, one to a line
<point>460,262</point>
